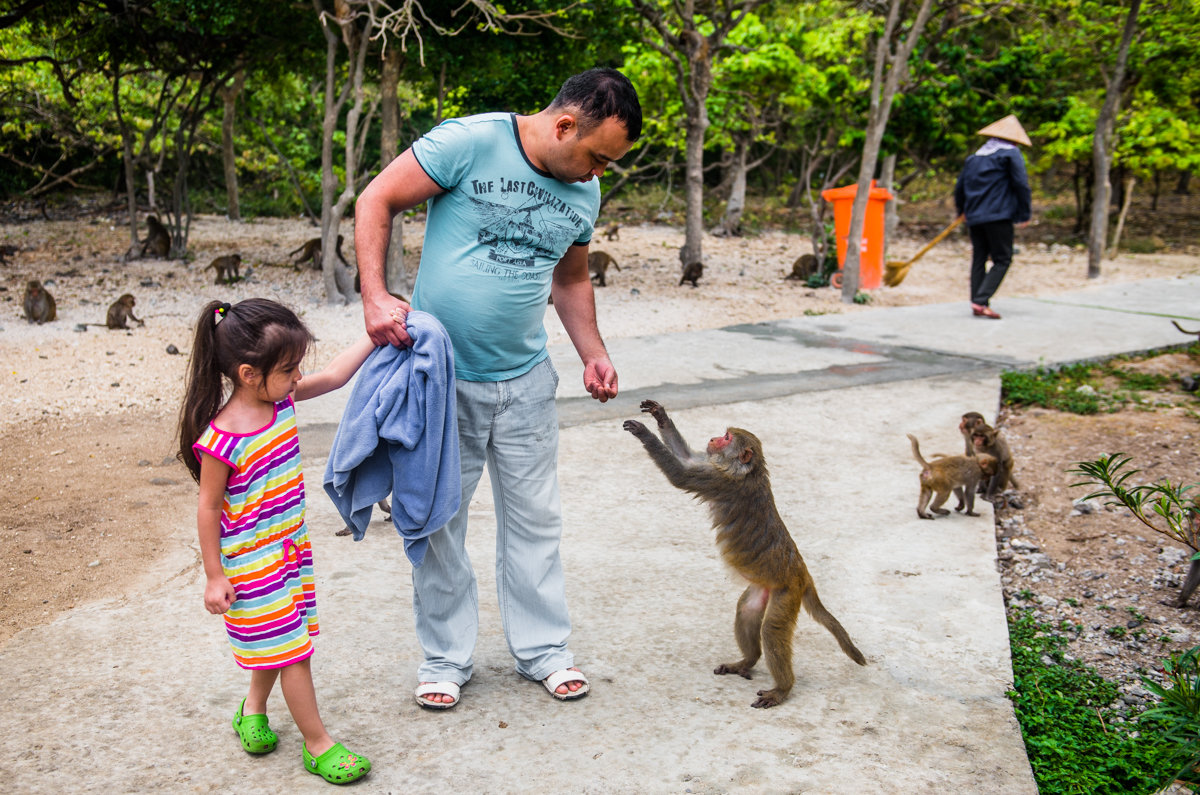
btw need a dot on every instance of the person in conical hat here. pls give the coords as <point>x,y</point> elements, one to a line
<point>992,192</point>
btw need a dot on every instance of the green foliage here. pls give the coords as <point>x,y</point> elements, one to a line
<point>1163,507</point>
<point>1079,388</point>
<point>1066,389</point>
<point>1064,708</point>
<point>1177,715</point>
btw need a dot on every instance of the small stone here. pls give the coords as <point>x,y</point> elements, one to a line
<point>93,564</point>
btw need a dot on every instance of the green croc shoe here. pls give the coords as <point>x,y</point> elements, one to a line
<point>256,735</point>
<point>337,765</point>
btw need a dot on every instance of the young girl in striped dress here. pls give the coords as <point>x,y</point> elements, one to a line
<point>257,559</point>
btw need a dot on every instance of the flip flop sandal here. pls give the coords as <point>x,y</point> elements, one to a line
<point>256,735</point>
<point>442,688</point>
<point>559,678</point>
<point>337,765</point>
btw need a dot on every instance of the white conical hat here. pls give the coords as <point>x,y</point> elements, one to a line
<point>1007,128</point>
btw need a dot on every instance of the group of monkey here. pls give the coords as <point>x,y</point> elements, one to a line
<point>730,477</point>
<point>40,307</point>
<point>986,467</point>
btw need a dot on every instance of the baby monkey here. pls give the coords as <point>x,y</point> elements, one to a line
<point>958,473</point>
<point>983,438</point>
<point>731,478</point>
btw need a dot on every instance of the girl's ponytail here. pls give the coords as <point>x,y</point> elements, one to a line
<point>204,390</point>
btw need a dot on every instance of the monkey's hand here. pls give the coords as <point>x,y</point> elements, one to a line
<point>637,429</point>
<point>655,410</point>
<point>219,595</point>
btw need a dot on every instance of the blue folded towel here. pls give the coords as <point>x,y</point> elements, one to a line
<point>399,434</point>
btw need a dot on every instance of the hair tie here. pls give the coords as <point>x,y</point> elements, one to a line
<point>219,313</point>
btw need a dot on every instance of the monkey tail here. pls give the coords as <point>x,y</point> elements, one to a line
<point>917,452</point>
<point>812,604</point>
<point>1181,328</point>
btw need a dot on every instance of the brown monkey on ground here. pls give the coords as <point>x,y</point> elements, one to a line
<point>692,273</point>
<point>988,441</point>
<point>982,438</point>
<point>612,231</point>
<point>310,252</point>
<point>121,311</point>
<point>226,268</point>
<point>158,239</point>
<point>598,262</point>
<point>957,473</point>
<point>39,304</point>
<point>732,479</point>
<point>804,266</point>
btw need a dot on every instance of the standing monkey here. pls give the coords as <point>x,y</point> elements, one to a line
<point>692,273</point>
<point>226,268</point>
<point>958,473</point>
<point>983,438</point>
<point>732,479</point>
<point>612,231</point>
<point>598,262</point>
<point>39,305</point>
<point>310,252</point>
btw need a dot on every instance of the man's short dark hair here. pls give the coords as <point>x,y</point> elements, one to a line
<point>598,94</point>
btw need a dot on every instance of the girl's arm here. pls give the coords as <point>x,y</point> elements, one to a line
<point>337,372</point>
<point>214,475</point>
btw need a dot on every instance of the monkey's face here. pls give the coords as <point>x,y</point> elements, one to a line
<point>717,444</point>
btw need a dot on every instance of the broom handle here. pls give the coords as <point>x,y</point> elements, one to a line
<point>941,236</point>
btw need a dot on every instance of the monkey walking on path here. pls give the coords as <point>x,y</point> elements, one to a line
<point>752,538</point>
<point>958,473</point>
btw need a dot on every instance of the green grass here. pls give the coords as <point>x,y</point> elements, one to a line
<point>1087,388</point>
<point>1072,737</point>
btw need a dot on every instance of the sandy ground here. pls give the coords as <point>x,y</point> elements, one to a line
<point>87,417</point>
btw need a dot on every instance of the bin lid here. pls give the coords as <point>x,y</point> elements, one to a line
<point>850,191</point>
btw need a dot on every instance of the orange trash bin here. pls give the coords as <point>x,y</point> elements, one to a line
<point>870,259</point>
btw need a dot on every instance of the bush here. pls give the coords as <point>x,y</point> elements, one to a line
<point>1072,737</point>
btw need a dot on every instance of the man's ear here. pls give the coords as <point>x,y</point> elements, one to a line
<point>565,126</point>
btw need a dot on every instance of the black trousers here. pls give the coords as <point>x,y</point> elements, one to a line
<point>995,241</point>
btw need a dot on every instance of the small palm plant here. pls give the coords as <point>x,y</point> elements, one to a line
<point>1163,507</point>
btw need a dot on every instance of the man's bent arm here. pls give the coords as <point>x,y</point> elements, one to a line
<point>399,187</point>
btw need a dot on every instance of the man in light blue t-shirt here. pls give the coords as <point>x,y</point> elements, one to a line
<point>512,205</point>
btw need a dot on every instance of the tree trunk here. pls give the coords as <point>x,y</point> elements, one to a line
<point>1102,146</point>
<point>891,216</point>
<point>229,94</point>
<point>395,276</point>
<point>693,227</point>
<point>1128,199</point>
<point>731,222</point>
<point>883,91</point>
<point>331,207</point>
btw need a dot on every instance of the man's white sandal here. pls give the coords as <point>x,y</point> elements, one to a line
<point>559,678</point>
<point>441,688</point>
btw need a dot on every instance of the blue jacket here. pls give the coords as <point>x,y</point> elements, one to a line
<point>993,188</point>
<point>399,434</point>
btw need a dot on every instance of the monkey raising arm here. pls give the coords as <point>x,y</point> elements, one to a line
<point>685,469</point>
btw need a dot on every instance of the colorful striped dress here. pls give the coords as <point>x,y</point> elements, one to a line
<point>264,542</point>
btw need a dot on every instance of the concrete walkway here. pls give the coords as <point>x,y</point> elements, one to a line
<point>136,695</point>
